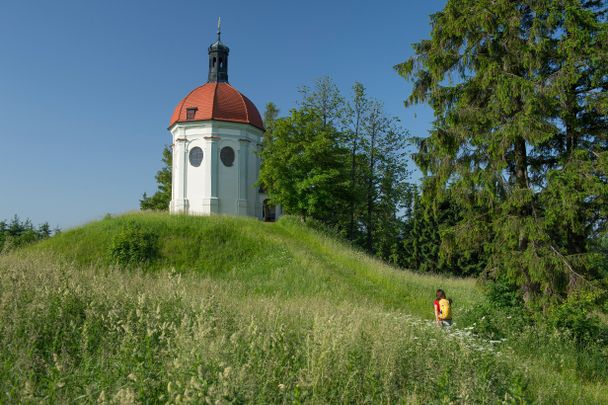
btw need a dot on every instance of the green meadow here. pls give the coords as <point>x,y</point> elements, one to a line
<point>232,310</point>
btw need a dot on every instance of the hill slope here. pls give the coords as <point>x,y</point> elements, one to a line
<point>234,310</point>
<point>280,259</point>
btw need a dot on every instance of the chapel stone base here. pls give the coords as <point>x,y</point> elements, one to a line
<point>211,206</point>
<point>179,206</point>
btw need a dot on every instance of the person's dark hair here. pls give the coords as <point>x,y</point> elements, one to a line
<point>441,294</point>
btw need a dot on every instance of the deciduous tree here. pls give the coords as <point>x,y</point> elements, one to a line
<point>162,197</point>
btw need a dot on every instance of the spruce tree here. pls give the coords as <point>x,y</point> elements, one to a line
<point>519,139</point>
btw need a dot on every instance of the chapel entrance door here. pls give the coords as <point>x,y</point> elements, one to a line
<point>269,213</point>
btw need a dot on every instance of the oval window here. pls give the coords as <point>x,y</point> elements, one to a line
<point>196,156</point>
<point>227,156</point>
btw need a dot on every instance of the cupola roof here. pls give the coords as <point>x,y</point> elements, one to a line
<point>217,99</point>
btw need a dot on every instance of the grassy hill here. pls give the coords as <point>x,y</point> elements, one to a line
<point>235,310</point>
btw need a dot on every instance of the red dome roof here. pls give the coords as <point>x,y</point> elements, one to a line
<point>217,101</point>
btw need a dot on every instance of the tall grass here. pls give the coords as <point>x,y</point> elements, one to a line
<point>299,318</point>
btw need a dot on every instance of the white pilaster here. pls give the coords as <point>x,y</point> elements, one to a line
<point>179,202</point>
<point>211,201</point>
<point>243,176</point>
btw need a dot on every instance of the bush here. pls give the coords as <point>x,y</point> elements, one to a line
<point>501,314</point>
<point>134,245</point>
<point>504,294</point>
<point>577,316</point>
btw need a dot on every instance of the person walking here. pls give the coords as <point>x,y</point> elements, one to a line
<point>436,308</point>
<point>444,318</point>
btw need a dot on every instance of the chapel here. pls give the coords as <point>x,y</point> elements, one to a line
<point>217,134</point>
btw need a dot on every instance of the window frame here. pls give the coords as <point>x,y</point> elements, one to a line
<point>191,113</point>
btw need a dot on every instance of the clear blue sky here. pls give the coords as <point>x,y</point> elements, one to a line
<point>87,87</point>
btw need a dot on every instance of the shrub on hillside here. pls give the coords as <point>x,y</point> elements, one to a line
<point>500,315</point>
<point>577,320</point>
<point>134,245</point>
<point>577,316</point>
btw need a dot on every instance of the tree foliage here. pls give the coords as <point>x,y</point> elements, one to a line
<point>429,244</point>
<point>302,167</point>
<point>271,113</point>
<point>160,200</point>
<point>17,232</point>
<point>519,141</point>
<point>341,162</point>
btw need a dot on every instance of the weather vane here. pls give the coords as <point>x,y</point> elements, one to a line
<point>219,22</point>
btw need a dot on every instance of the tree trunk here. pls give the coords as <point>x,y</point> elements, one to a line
<point>575,241</point>
<point>570,122</point>
<point>530,288</point>
<point>370,195</point>
<point>521,163</point>
<point>353,179</point>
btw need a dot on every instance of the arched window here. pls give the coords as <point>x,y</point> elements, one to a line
<point>221,63</point>
<point>214,60</point>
